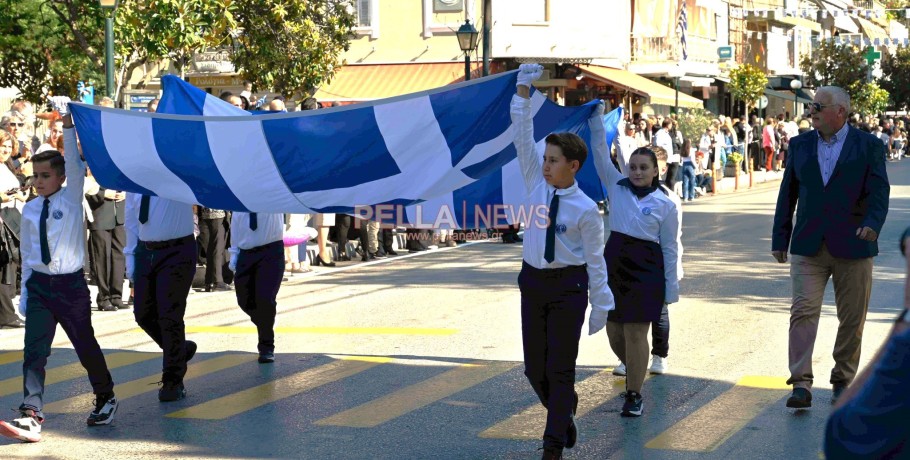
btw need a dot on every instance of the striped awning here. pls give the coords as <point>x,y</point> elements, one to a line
<point>657,93</point>
<point>356,83</point>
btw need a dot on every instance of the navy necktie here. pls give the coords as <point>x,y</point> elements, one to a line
<point>45,248</point>
<point>549,252</point>
<point>254,222</point>
<point>144,209</point>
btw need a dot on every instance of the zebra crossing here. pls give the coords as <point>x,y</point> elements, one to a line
<point>225,386</point>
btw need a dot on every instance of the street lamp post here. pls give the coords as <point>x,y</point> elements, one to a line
<point>467,40</point>
<point>675,73</point>
<point>795,85</point>
<point>110,6</point>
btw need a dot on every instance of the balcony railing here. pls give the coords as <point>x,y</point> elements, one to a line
<point>667,49</point>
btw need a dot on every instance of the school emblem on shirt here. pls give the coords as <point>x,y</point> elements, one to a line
<point>560,228</point>
<point>646,211</point>
<point>58,214</point>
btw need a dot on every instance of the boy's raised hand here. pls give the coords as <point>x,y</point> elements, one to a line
<point>528,73</point>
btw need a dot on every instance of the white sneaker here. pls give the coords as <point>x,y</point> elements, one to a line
<point>658,365</point>
<point>25,428</point>
<point>620,370</point>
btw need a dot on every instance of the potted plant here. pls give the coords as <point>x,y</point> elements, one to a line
<point>736,158</point>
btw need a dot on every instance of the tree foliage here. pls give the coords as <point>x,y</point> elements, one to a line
<point>869,99</point>
<point>896,77</point>
<point>747,83</point>
<point>834,65</point>
<point>692,124</point>
<point>39,52</point>
<point>291,46</point>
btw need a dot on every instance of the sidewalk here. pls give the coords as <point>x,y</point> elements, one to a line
<point>728,184</point>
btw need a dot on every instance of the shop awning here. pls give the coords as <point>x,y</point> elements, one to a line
<point>657,93</point>
<point>841,20</point>
<point>356,83</point>
<point>788,95</point>
<point>871,30</point>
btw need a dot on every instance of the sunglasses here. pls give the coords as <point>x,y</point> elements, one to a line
<point>817,107</point>
<point>19,125</point>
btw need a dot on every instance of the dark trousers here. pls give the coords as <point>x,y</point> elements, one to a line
<point>672,169</point>
<point>7,292</point>
<point>211,235</point>
<point>386,239</point>
<point>660,334</point>
<point>257,280</point>
<point>63,300</point>
<point>108,261</point>
<point>162,280</point>
<point>553,304</point>
<point>342,228</point>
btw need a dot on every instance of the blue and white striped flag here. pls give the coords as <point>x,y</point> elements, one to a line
<point>683,25</point>
<point>446,152</point>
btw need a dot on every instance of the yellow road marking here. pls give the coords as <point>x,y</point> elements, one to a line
<point>147,384</point>
<point>75,370</point>
<point>10,357</point>
<point>418,395</point>
<point>714,423</point>
<point>242,401</point>
<point>531,422</point>
<point>325,330</point>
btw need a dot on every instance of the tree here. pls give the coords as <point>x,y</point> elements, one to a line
<point>834,65</point>
<point>747,83</point>
<point>693,123</point>
<point>36,55</point>
<point>291,46</point>
<point>869,99</point>
<point>155,30</point>
<point>896,77</point>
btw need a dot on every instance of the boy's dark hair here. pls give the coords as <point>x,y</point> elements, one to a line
<point>309,104</point>
<point>54,157</point>
<point>572,146</point>
<point>225,96</point>
<point>660,153</point>
<point>666,123</point>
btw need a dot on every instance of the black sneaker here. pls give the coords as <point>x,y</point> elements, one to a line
<point>118,302</point>
<point>105,407</point>
<point>191,348</point>
<point>172,391</point>
<point>266,358</point>
<point>800,399</point>
<point>551,453</point>
<point>106,305</point>
<point>632,406</point>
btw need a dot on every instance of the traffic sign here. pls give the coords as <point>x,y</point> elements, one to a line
<point>762,102</point>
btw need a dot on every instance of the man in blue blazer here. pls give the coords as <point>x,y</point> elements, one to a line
<point>837,175</point>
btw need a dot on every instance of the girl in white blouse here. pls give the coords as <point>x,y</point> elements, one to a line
<point>643,255</point>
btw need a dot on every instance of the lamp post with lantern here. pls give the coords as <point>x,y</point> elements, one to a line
<point>675,73</point>
<point>110,6</point>
<point>795,85</point>
<point>467,41</point>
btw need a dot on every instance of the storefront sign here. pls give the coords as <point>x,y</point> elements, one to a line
<point>216,81</point>
<point>725,52</point>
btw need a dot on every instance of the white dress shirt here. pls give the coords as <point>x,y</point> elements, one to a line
<point>664,140</point>
<point>168,220</point>
<point>656,217</point>
<point>65,224</point>
<point>269,229</point>
<point>8,181</point>
<point>582,241</point>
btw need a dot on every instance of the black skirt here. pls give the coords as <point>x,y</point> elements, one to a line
<point>636,276</point>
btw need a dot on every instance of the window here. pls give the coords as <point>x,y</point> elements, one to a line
<point>532,12</point>
<point>447,6</point>
<point>363,13</point>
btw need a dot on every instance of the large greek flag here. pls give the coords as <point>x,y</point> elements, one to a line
<point>440,155</point>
